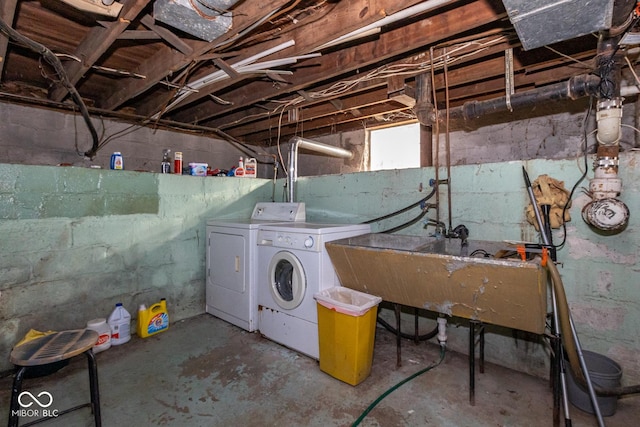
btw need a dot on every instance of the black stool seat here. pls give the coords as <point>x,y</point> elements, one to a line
<point>50,349</point>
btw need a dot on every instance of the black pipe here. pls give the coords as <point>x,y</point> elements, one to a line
<point>574,88</point>
<point>403,210</point>
<point>52,59</point>
<point>424,337</point>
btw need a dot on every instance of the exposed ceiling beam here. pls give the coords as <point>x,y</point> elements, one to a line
<point>317,116</point>
<point>307,34</point>
<point>167,61</point>
<point>95,44</point>
<point>398,41</point>
<point>167,35</point>
<point>257,112</point>
<point>7,12</point>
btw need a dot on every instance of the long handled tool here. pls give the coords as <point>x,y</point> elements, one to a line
<point>546,240</point>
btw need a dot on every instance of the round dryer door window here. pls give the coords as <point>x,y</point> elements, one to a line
<point>287,280</point>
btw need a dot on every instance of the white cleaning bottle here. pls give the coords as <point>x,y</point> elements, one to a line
<point>240,169</point>
<point>120,323</point>
<point>250,167</point>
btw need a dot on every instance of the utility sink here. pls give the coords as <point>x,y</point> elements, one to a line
<point>445,276</point>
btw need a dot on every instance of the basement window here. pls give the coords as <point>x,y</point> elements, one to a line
<point>396,147</point>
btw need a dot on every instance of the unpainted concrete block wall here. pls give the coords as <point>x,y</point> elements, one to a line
<point>39,136</point>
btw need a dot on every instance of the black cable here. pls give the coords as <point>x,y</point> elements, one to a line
<point>52,59</point>
<point>584,174</point>
<point>424,337</point>
<point>424,199</point>
<point>423,212</point>
<point>480,251</point>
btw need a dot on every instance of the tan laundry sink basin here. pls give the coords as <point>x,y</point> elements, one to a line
<point>446,277</point>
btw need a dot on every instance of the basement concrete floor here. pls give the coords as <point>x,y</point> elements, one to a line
<point>206,372</point>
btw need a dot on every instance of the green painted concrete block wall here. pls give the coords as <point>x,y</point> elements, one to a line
<point>600,272</point>
<point>60,268</point>
<point>75,241</point>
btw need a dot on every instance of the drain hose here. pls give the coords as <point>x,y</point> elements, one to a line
<point>570,344</point>
<point>395,387</point>
<point>423,337</point>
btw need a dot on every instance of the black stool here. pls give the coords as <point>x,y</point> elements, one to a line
<point>50,349</point>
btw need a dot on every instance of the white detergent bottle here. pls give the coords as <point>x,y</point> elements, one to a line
<point>250,167</point>
<point>120,323</point>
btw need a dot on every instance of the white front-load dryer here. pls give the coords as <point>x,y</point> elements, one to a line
<point>231,262</point>
<point>293,265</point>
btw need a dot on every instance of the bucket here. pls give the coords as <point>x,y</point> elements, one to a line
<point>104,334</point>
<point>605,373</point>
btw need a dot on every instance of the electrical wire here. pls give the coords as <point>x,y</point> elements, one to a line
<point>52,59</point>
<point>385,72</point>
<point>584,174</point>
<point>395,387</point>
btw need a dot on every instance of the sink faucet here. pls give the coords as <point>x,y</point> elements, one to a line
<point>461,232</point>
<point>440,228</point>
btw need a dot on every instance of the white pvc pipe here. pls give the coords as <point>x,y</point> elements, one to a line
<point>221,75</point>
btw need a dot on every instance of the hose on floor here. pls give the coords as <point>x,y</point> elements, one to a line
<point>569,343</point>
<point>395,387</point>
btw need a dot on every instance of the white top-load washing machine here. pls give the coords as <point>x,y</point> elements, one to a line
<point>293,265</point>
<point>231,258</point>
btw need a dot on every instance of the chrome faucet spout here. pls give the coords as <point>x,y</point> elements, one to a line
<point>461,232</point>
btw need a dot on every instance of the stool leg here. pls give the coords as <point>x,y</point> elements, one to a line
<point>93,385</point>
<point>15,392</point>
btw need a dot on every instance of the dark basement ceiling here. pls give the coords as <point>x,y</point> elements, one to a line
<point>141,68</point>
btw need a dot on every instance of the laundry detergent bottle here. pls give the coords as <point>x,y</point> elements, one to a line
<point>120,323</point>
<point>153,319</point>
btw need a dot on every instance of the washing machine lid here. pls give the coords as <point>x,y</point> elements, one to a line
<point>276,211</point>
<point>265,213</point>
<point>313,228</point>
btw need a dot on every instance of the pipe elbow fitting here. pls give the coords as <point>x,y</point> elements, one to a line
<point>609,119</point>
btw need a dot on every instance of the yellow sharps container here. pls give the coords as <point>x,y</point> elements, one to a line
<point>346,333</point>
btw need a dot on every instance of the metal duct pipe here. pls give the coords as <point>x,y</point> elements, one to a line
<point>574,88</point>
<point>298,142</point>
